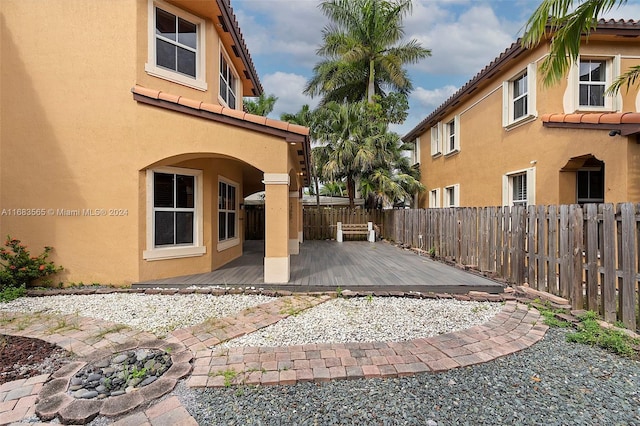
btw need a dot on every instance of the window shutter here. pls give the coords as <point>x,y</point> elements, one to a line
<point>616,102</point>
<point>532,80</point>
<point>506,101</point>
<point>434,140</point>
<point>531,186</point>
<point>456,194</point>
<point>416,152</point>
<point>457,131</point>
<point>505,190</point>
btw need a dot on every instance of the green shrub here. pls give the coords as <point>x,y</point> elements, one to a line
<point>18,268</point>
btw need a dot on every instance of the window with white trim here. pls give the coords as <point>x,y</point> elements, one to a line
<point>174,213</point>
<point>227,211</point>
<point>176,45</point>
<point>228,82</point>
<point>518,94</point>
<point>436,135</point>
<point>518,188</point>
<point>592,84</point>
<point>452,135</point>
<point>588,82</point>
<point>434,198</point>
<point>452,196</point>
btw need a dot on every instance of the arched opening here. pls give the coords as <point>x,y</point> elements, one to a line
<point>582,180</point>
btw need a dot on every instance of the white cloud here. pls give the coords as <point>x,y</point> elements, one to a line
<point>432,98</point>
<point>288,88</point>
<point>464,45</point>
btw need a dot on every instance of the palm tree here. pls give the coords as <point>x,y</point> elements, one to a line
<point>262,105</point>
<point>343,152</point>
<point>363,52</point>
<point>391,179</point>
<point>333,189</point>
<point>567,24</point>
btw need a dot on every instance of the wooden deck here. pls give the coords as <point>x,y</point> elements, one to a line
<point>353,265</point>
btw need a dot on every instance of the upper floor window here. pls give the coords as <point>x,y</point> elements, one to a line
<point>452,135</point>
<point>228,82</point>
<point>519,97</point>
<point>593,80</point>
<point>176,45</point>
<point>436,146</point>
<point>588,82</point>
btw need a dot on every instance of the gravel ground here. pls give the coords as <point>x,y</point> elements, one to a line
<point>376,319</point>
<point>157,314</point>
<point>551,383</point>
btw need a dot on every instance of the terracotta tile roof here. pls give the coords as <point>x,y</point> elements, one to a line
<point>593,118</point>
<point>625,123</point>
<point>217,109</point>
<point>629,27</point>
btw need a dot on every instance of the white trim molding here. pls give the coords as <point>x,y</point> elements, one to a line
<point>151,67</point>
<point>174,252</point>
<point>276,270</point>
<point>276,179</point>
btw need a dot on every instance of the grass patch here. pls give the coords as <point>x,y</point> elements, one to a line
<point>591,333</point>
<point>11,293</point>
<point>229,376</point>
<point>115,329</point>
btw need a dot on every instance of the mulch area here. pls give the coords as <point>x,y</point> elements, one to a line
<point>24,357</point>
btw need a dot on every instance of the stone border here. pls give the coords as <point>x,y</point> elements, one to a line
<point>515,328</point>
<point>54,401</point>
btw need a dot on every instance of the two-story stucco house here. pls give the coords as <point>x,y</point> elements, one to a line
<point>124,144</point>
<point>506,139</point>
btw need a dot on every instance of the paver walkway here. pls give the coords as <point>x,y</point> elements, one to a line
<point>514,329</point>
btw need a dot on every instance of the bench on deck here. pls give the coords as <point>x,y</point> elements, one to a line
<point>356,229</point>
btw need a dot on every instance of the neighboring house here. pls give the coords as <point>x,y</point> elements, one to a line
<point>505,139</point>
<point>124,144</point>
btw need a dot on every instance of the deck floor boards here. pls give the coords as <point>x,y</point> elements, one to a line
<point>355,265</point>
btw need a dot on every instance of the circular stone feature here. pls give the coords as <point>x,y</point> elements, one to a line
<point>119,373</point>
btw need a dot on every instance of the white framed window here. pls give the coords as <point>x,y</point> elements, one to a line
<point>176,45</point>
<point>434,198</point>
<point>436,140</point>
<point>452,196</point>
<point>228,81</point>
<point>589,79</point>
<point>174,213</point>
<point>227,214</point>
<point>519,97</point>
<point>452,135</point>
<point>519,188</point>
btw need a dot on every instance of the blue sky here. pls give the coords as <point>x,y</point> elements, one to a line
<point>463,35</point>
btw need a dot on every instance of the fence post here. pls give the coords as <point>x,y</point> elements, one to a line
<point>576,224</point>
<point>592,256</point>
<point>629,267</point>
<point>608,258</point>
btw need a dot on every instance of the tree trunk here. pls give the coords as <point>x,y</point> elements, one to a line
<point>351,191</point>
<point>371,88</point>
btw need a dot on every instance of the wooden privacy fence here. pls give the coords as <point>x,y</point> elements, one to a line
<point>588,254</point>
<point>320,224</point>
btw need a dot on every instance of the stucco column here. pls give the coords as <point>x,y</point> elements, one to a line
<point>276,248</point>
<point>294,219</point>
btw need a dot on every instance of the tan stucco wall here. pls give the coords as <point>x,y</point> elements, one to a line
<point>73,138</point>
<point>488,150</point>
<point>66,134</point>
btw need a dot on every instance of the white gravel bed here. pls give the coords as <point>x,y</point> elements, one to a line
<point>158,314</point>
<point>377,319</point>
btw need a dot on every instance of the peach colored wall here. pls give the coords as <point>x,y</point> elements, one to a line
<point>488,150</point>
<point>73,138</point>
<point>66,135</point>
